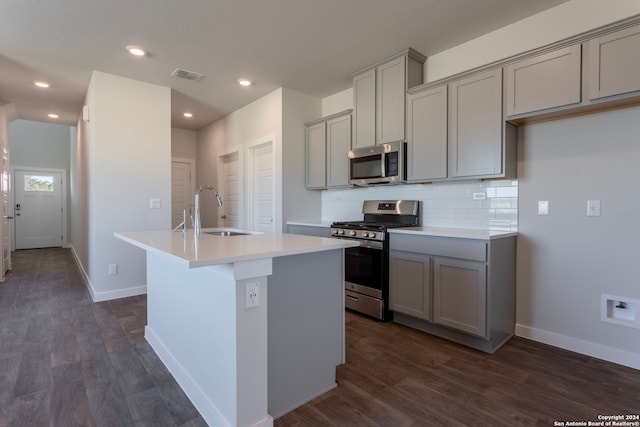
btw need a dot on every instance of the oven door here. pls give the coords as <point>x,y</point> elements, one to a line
<point>365,269</point>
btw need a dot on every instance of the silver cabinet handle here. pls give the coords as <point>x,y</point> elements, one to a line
<point>223,216</point>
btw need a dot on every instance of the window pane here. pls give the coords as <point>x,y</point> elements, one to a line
<point>38,183</point>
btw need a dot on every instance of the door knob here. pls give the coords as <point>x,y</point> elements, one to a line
<point>223,216</point>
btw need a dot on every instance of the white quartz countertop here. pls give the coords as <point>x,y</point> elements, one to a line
<point>461,233</point>
<point>206,249</point>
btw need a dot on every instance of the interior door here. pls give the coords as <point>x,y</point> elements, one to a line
<point>38,209</point>
<point>263,206</point>
<point>182,192</point>
<point>230,212</point>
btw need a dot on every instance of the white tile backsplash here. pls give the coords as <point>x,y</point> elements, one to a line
<point>443,204</point>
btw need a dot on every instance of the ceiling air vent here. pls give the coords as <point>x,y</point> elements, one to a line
<point>189,75</point>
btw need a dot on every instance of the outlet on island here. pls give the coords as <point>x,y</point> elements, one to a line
<point>252,291</point>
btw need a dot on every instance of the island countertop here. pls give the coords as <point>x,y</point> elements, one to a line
<point>206,249</point>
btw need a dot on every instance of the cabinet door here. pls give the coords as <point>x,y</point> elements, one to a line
<point>316,156</point>
<point>545,81</point>
<point>427,135</point>
<point>391,92</point>
<point>364,109</point>
<point>460,295</point>
<point>338,146</point>
<point>475,125</point>
<point>410,284</point>
<point>614,63</point>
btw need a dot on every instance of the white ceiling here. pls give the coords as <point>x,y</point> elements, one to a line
<point>307,45</point>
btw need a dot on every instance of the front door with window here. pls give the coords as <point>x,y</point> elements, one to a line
<point>38,209</point>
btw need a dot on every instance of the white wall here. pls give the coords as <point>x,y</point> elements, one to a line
<point>183,143</point>
<point>4,124</point>
<point>298,204</point>
<point>563,21</point>
<point>262,118</point>
<point>567,260</point>
<point>124,153</point>
<point>39,144</point>
<point>337,102</point>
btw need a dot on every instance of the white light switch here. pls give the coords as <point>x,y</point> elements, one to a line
<point>155,203</point>
<point>593,207</point>
<point>543,207</point>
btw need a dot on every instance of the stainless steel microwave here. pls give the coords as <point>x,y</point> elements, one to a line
<point>380,164</point>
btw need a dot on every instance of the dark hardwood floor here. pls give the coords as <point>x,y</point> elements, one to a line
<point>65,361</point>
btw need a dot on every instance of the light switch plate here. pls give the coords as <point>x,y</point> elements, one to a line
<point>543,207</point>
<point>155,203</point>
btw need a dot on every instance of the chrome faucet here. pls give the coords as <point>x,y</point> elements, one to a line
<point>196,223</point>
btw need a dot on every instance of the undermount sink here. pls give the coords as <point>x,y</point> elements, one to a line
<point>226,233</point>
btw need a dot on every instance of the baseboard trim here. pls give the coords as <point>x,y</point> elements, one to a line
<point>109,295</point>
<point>207,409</point>
<point>610,354</point>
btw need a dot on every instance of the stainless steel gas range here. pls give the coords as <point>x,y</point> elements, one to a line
<point>367,266</point>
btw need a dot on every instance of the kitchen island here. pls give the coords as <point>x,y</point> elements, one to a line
<point>251,326</point>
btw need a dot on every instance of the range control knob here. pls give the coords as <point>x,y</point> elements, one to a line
<point>372,235</point>
<point>341,232</point>
<point>365,234</point>
<point>334,231</point>
<point>352,233</point>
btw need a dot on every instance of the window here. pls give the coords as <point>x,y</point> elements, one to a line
<point>38,183</point>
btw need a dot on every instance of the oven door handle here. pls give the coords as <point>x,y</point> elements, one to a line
<point>352,298</point>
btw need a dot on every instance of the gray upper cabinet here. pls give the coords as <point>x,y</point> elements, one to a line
<point>427,135</point>
<point>364,104</point>
<point>316,152</point>
<point>338,146</point>
<point>379,98</point>
<point>545,81</point>
<point>328,141</point>
<point>390,103</point>
<point>614,63</point>
<point>477,128</point>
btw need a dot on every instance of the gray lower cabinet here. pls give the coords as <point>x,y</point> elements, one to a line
<point>427,135</point>
<point>328,141</point>
<point>457,288</point>
<point>410,289</point>
<point>460,295</point>
<point>481,143</point>
<point>614,63</point>
<point>545,81</point>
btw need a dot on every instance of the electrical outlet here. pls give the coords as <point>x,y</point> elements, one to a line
<point>113,269</point>
<point>252,292</point>
<point>543,207</point>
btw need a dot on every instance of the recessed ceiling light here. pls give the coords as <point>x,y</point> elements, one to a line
<point>41,84</point>
<point>53,116</point>
<point>244,82</point>
<point>188,115</point>
<point>136,50</point>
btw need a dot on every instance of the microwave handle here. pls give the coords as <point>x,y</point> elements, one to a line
<point>384,165</point>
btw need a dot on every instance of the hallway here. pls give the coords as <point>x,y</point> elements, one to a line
<point>67,361</point>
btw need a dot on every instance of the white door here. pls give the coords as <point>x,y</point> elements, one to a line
<point>262,189</point>
<point>230,191</point>
<point>38,209</point>
<point>6,211</point>
<point>182,192</point>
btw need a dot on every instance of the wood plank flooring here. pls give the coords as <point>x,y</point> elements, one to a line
<point>396,376</point>
<point>65,361</point>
